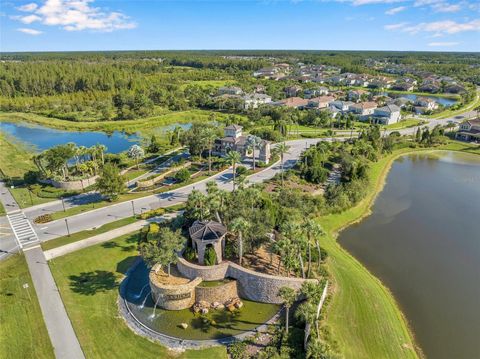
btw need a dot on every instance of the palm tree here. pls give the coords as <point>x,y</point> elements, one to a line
<point>293,231</point>
<point>253,142</point>
<point>210,136</point>
<point>101,149</point>
<point>136,152</point>
<point>313,230</point>
<point>196,205</point>
<point>308,313</point>
<point>233,157</point>
<point>239,226</point>
<point>282,149</point>
<point>288,296</point>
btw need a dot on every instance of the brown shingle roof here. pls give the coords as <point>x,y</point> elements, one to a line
<point>207,230</point>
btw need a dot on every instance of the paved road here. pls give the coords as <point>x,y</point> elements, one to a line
<point>98,217</point>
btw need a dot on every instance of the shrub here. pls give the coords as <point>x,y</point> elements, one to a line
<point>44,218</point>
<point>183,175</point>
<point>238,350</point>
<point>152,213</point>
<point>30,177</point>
<point>267,134</point>
<point>210,257</point>
<point>189,254</point>
<point>241,170</point>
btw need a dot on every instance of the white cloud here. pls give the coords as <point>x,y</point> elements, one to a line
<point>395,10</point>
<point>369,2</point>
<point>76,15</point>
<point>30,31</point>
<point>444,7</point>
<point>28,7</point>
<point>443,44</point>
<point>398,26</point>
<point>29,18</point>
<point>437,27</point>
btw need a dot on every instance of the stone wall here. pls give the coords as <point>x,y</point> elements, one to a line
<point>153,181</point>
<point>71,185</point>
<point>173,297</point>
<point>192,271</point>
<point>221,293</point>
<point>251,285</point>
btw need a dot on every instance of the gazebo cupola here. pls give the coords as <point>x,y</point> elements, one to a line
<point>205,233</point>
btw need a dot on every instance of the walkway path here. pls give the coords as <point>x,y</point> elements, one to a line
<point>59,327</point>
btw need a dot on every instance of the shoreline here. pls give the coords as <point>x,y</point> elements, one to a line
<point>366,209</point>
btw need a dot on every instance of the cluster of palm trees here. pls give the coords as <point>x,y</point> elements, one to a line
<point>60,160</point>
<point>294,246</point>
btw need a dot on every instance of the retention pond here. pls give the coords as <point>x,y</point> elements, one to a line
<point>423,241</point>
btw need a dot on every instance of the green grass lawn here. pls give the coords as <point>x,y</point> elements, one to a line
<point>2,210</point>
<point>92,305</point>
<point>410,122</point>
<point>15,159</point>
<point>26,199</point>
<point>75,237</point>
<point>22,331</point>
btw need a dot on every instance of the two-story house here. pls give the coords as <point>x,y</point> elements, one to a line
<point>387,115</point>
<point>469,131</point>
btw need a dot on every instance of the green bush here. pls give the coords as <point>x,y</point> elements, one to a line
<point>267,134</point>
<point>210,257</point>
<point>238,350</point>
<point>152,213</point>
<point>241,170</point>
<point>44,218</point>
<point>189,254</point>
<point>183,175</point>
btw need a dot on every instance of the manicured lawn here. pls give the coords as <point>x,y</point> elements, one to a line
<point>26,199</point>
<point>411,122</point>
<point>22,331</point>
<point>75,237</point>
<point>92,304</point>
<point>15,159</point>
<point>2,210</point>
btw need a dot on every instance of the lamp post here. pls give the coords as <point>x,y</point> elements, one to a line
<point>30,194</point>
<point>133,208</point>
<point>68,229</point>
<point>63,204</point>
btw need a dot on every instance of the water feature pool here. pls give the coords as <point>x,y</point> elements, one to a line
<point>422,241</point>
<point>214,325</point>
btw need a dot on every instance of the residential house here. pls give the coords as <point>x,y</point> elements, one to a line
<point>318,91</point>
<point>425,104</point>
<point>355,95</point>
<point>402,102</point>
<point>255,99</point>
<point>341,105</point>
<point>292,91</point>
<point>230,90</point>
<point>320,102</point>
<point>402,86</point>
<point>455,88</point>
<point>387,115</point>
<point>431,86</point>
<point>469,131</point>
<point>363,109</point>
<point>234,140</point>
<point>295,102</point>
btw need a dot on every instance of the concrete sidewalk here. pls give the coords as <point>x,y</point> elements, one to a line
<point>104,237</point>
<point>60,330</point>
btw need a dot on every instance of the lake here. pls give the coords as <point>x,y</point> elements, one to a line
<point>444,101</point>
<point>423,241</point>
<point>42,138</point>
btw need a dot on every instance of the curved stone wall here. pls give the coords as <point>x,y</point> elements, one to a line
<point>251,285</point>
<point>173,297</point>
<point>221,293</point>
<point>71,185</point>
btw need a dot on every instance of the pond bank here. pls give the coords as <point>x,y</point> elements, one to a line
<point>363,316</point>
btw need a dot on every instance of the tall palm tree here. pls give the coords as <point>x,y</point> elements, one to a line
<point>308,313</point>
<point>239,226</point>
<point>288,296</point>
<point>313,231</point>
<point>253,142</point>
<point>234,157</point>
<point>282,149</point>
<point>101,150</point>
<point>293,231</point>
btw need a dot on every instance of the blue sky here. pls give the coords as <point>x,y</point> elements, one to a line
<point>64,25</point>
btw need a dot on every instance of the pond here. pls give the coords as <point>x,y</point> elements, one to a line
<point>422,240</point>
<point>444,101</point>
<point>42,138</point>
<point>216,324</point>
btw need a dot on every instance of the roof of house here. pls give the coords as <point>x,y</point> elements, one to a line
<point>294,102</point>
<point>365,105</point>
<point>389,108</point>
<point>322,99</point>
<point>234,127</point>
<point>207,230</point>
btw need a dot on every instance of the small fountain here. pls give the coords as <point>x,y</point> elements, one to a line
<point>155,307</point>
<point>144,300</point>
<point>139,295</point>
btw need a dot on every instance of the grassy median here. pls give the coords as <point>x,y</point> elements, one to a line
<point>88,281</point>
<point>22,330</point>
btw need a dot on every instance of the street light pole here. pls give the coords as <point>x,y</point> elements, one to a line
<point>133,208</point>
<point>68,229</point>
<point>30,193</point>
<point>63,204</point>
